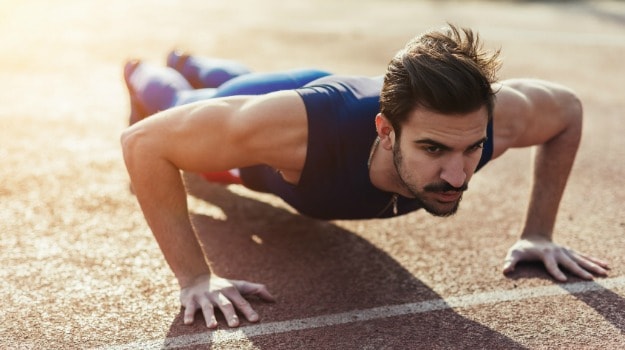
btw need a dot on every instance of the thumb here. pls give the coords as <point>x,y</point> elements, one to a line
<point>510,262</point>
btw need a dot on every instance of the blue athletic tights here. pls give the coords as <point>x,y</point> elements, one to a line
<point>158,88</point>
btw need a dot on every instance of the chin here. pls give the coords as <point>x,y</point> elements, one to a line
<point>442,210</point>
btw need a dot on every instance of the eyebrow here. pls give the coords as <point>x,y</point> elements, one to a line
<point>430,142</point>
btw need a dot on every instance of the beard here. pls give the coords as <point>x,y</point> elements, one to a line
<point>432,206</point>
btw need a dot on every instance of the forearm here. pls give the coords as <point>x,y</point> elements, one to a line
<point>553,161</point>
<point>161,194</point>
<point>538,113</point>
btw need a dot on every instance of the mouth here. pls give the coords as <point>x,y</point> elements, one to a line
<point>448,196</point>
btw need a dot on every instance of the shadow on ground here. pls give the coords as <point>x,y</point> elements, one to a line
<point>607,304</point>
<point>604,301</point>
<point>317,268</point>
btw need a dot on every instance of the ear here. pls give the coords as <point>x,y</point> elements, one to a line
<point>385,131</point>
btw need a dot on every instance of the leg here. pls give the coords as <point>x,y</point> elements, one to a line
<point>151,88</point>
<point>262,83</point>
<point>233,78</point>
<point>254,84</point>
<point>203,72</point>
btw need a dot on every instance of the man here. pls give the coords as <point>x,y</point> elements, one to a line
<point>354,148</point>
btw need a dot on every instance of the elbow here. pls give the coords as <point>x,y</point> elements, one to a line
<point>574,111</point>
<point>127,140</point>
<point>574,107</point>
<point>571,113</point>
<point>133,144</point>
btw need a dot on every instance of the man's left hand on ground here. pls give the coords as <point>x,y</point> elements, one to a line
<point>554,257</point>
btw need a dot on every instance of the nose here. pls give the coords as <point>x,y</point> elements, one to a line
<point>453,171</point>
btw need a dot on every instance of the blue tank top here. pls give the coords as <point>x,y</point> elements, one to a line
<point>335,183</point>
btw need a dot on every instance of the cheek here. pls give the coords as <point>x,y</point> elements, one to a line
<point>420,167</point>
<point>472,161</point>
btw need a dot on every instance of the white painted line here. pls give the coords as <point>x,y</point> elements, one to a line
<point>464,301</point>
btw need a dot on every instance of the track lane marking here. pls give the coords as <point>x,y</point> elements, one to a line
<point>463,301</point>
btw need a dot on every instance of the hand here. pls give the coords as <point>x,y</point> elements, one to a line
<point>209,291</point>
<point>554,256</point>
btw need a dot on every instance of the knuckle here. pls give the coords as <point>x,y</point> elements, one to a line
<point>230,290</point>
<point>227,290</point>
<point>257,289</point>
<point>189,311</point>
<point>242,304</point>
<point>205,303</point>
<point>224,303</point>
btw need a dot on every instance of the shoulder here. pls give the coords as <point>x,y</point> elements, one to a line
<point>527,111</point>
<point>360,87</point>
<point>534,94</point>
<point>342,97</point>
<point>274,128</point>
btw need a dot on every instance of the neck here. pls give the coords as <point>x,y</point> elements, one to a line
<point>382,172</point>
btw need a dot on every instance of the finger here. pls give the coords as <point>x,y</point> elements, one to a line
<point>248,288</point>
<point>189,312</point>
<point>568,263</point>
<point>589,264</point>
<point>264,294</point>
<point>510,262</point>
<point>244,306</point>
<point>601,263</point>
<point>209,314</point>
<point>227,309</point>
<point>552,267</point>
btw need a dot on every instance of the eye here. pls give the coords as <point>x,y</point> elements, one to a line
<point>476,147</point>
<point>433,149</point>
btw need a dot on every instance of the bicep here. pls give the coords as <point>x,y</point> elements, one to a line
<point>227,133</point>
<point>530,112</point>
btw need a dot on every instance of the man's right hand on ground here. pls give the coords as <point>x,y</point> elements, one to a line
<point>209,291</point>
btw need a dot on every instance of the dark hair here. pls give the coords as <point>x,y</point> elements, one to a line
<point>446,71</point>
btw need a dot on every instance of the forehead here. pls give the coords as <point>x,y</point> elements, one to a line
<point>445,128</point>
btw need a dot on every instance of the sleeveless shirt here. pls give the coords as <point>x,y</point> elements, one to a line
<point>335,183</point>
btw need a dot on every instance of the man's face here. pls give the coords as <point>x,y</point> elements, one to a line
<point>437,155</point>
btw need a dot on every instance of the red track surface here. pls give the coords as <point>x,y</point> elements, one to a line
<point>81,270</point>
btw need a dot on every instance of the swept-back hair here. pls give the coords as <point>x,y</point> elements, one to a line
<point>446,71</point>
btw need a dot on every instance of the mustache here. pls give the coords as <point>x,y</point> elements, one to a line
<point>445,187</point>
